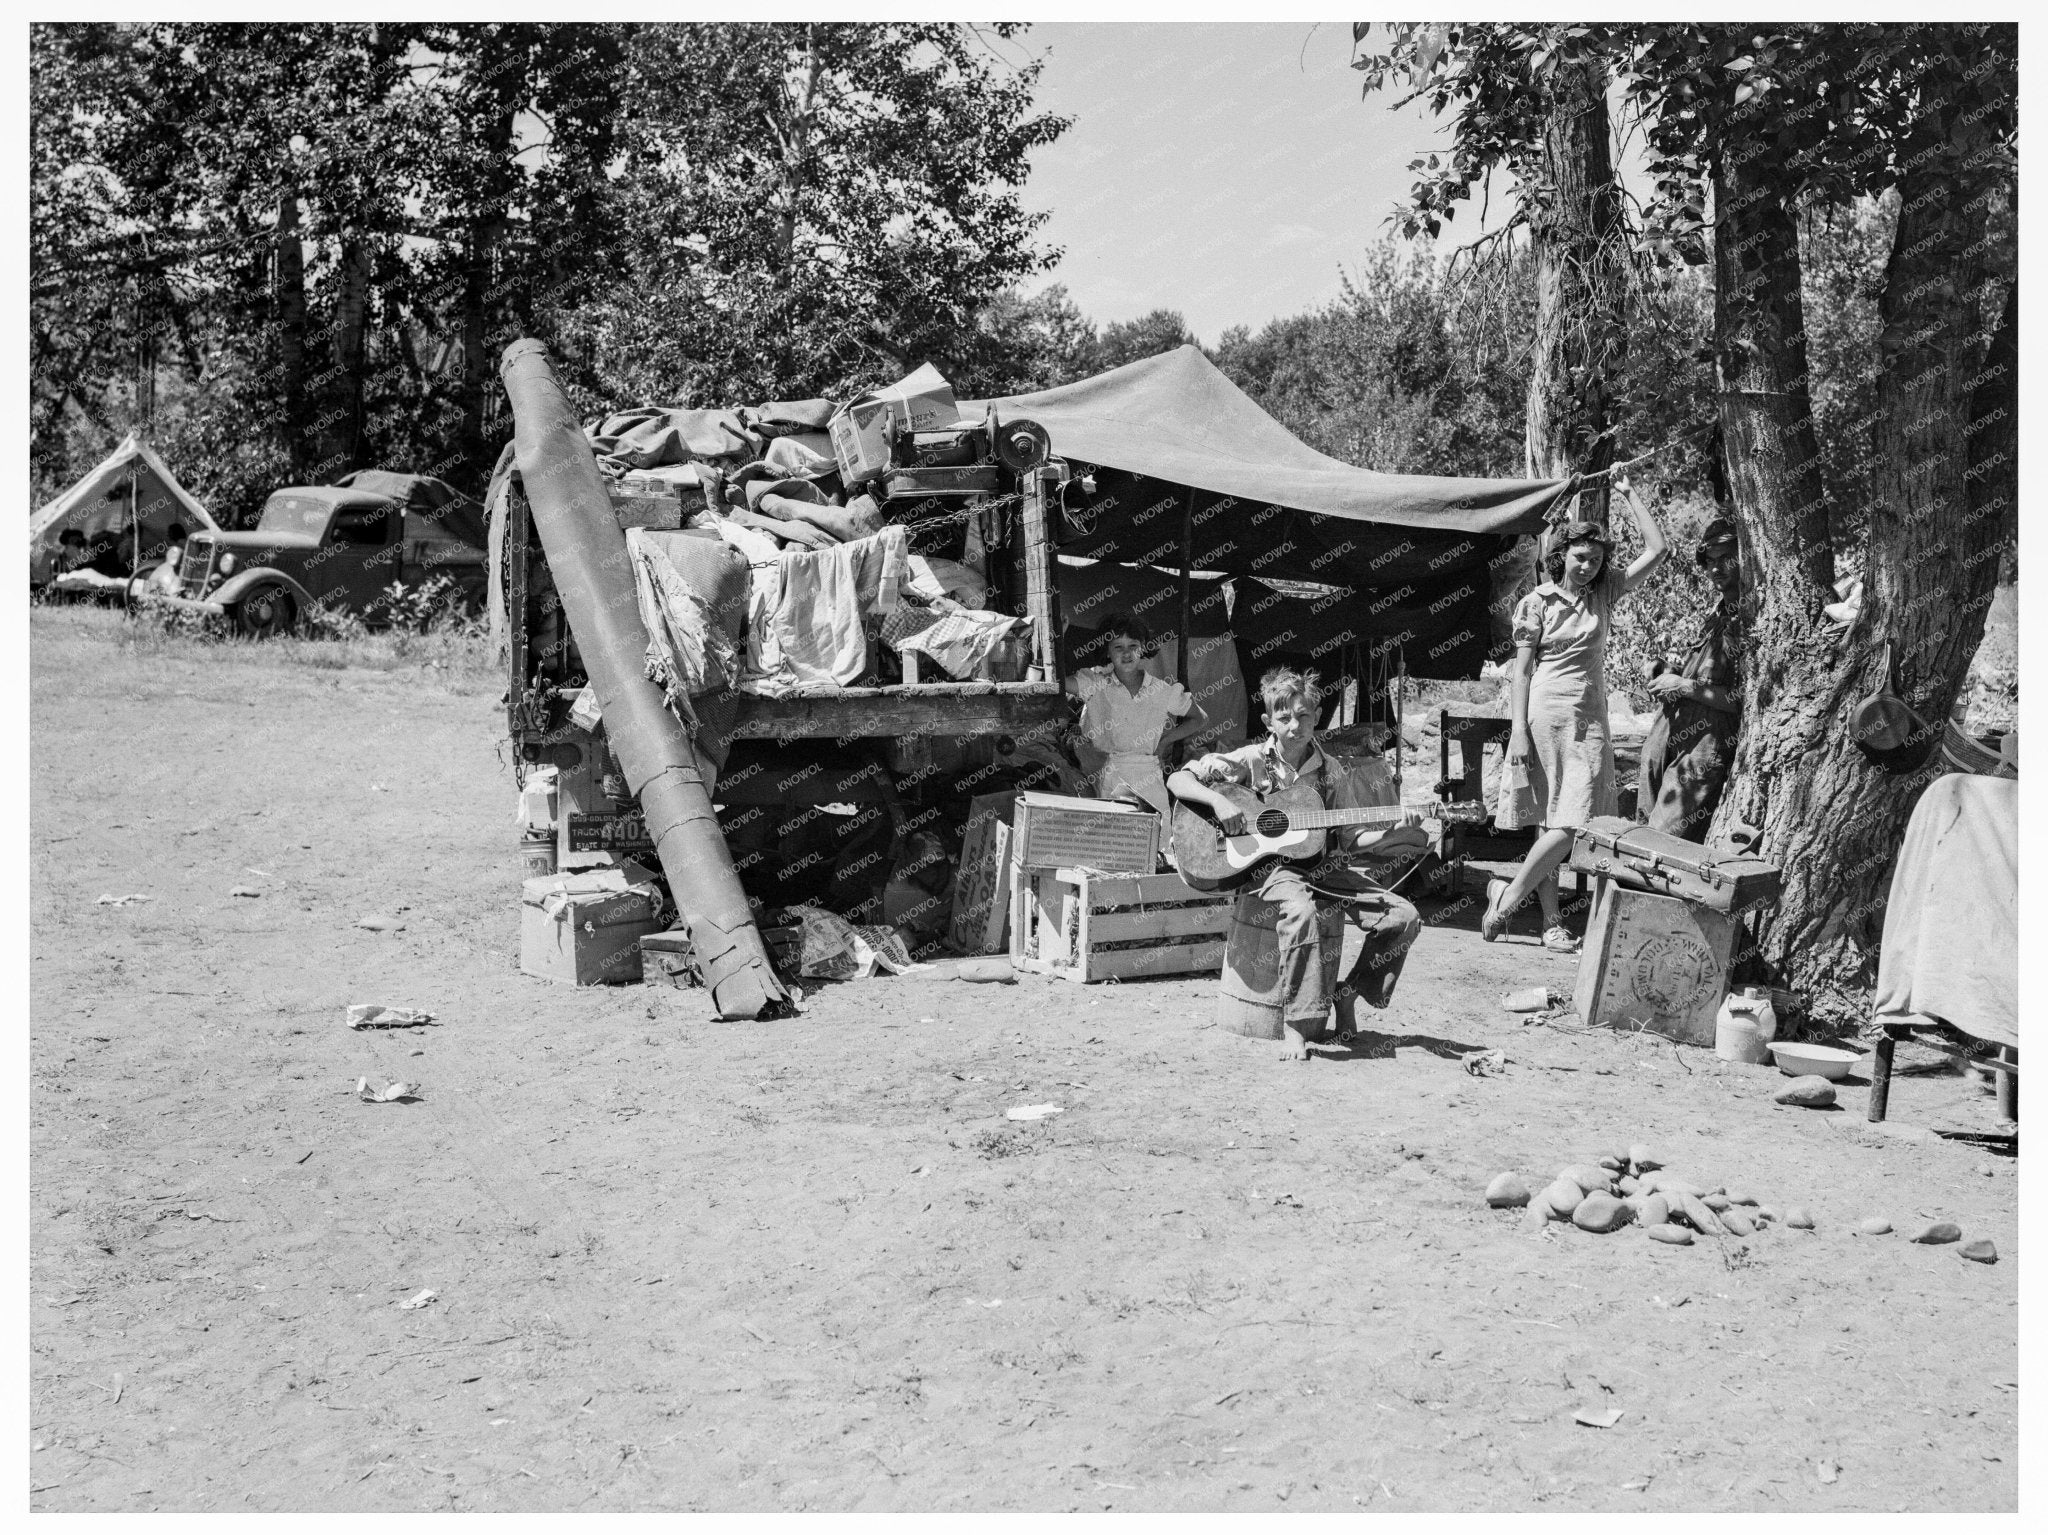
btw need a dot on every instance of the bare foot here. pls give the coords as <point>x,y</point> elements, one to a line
<point>1293,1047</point>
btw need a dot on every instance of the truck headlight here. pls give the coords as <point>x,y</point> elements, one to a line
<point>227,564</point>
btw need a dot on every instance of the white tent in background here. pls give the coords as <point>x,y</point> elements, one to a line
<point>99,507</point>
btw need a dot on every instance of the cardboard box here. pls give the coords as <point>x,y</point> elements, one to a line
<point>981,885</point>
<point>1050,831</point>
<point>585,928</point>
<point>861,429</point>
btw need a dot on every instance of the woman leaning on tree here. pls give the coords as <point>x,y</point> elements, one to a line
<point>1560,769</point>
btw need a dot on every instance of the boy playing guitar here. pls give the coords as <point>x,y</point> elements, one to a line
<point>1289,756</point>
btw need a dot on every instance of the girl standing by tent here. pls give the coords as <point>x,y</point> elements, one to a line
<point>1129,716</point>
<point>1560,768</point>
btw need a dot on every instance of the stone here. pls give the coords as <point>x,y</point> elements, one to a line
<point>1985,1170</point>
<point>1656,1210</point>
<point>1589,1179</point>
<point>1614,1164</point>
<point>1562,1197</point>
<point>378,923</point>
<point>1671,1184</point>
<point>1703,1220</point>
<point>1536,1217</point>
<point>1936,1233</point>
<point>1873,1226</point>
<point>1627,1185</point>
<point>1807,1093</point>
<point>1764,1214</point>
<point>1979,1250</point>
<point>1737,1220</point>
<point>1716,1202</point>
<point>1507,1192</point>
<point>1677,1236</point>
<point>1799,1218</point>
<point>1740,1197</point>
<point>1643,1160</point>
<point>1600,1212</point>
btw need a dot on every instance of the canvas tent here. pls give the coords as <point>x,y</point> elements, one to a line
<point>99,506</point>
<point>1182,453</point>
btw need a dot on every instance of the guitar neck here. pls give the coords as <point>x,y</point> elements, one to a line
<point>1375,815</point>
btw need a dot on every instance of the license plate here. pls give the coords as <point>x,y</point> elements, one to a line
<point>622,833</point>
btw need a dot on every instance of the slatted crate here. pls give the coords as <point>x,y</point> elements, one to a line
<point>1084,925</point>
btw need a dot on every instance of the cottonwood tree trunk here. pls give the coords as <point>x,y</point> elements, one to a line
<point>290,290</point>
<point>1832,819</point>
<point>1575,234</point>
<point>341,433</point>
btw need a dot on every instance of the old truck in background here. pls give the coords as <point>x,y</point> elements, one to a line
<point>341,547</point>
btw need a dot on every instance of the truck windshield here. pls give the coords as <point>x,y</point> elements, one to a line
<point>285,513</point>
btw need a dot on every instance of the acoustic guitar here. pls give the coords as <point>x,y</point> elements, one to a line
<point>1289,824</point>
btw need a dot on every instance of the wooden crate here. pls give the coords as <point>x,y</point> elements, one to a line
<point>1654,962</point>
<point>1062,921</point>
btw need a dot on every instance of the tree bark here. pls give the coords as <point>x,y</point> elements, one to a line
<point>1795,774</point>
<point>341,434</point>
<point>477,456</point>
<point>1575,228</point>
<point>290,289</point>
<point>1831,818</point>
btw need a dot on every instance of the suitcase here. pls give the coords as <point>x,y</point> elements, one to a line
<point>1662,864</point>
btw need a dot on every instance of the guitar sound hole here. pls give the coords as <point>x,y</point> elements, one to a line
<point>1271,823</point>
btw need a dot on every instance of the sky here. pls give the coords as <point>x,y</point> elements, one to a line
<point>1227,170</point>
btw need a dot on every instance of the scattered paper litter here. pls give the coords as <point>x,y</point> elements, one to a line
<point>1034,1111</point>
<point>1829,1471</point>
<point>1605,1419</point>
<point>374,1015</point>
<point>394,1092</point>
<point>415,1302</point>
<point>378,923</point>
<point>119,900</point>
<point>1530,999</point>
<point>1482,1063</point>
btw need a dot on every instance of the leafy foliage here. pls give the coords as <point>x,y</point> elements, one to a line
<point>296,249</point>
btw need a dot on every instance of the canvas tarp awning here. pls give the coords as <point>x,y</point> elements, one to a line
<point>1425,556</point>
<point>1177,417</point>
<point>98,507</point>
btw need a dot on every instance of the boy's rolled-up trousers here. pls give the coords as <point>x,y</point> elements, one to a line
<point>1390,924</point>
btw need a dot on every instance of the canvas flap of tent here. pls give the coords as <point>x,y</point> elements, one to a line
<point>99,505</point>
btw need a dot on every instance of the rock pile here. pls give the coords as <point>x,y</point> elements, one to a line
<point>1637,1189</point>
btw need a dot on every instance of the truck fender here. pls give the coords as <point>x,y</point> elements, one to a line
<point>230,591</point>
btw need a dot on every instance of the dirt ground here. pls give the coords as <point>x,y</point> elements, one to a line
<point>681,1264</point>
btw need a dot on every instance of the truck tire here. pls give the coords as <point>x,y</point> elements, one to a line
<point>265,612</point>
